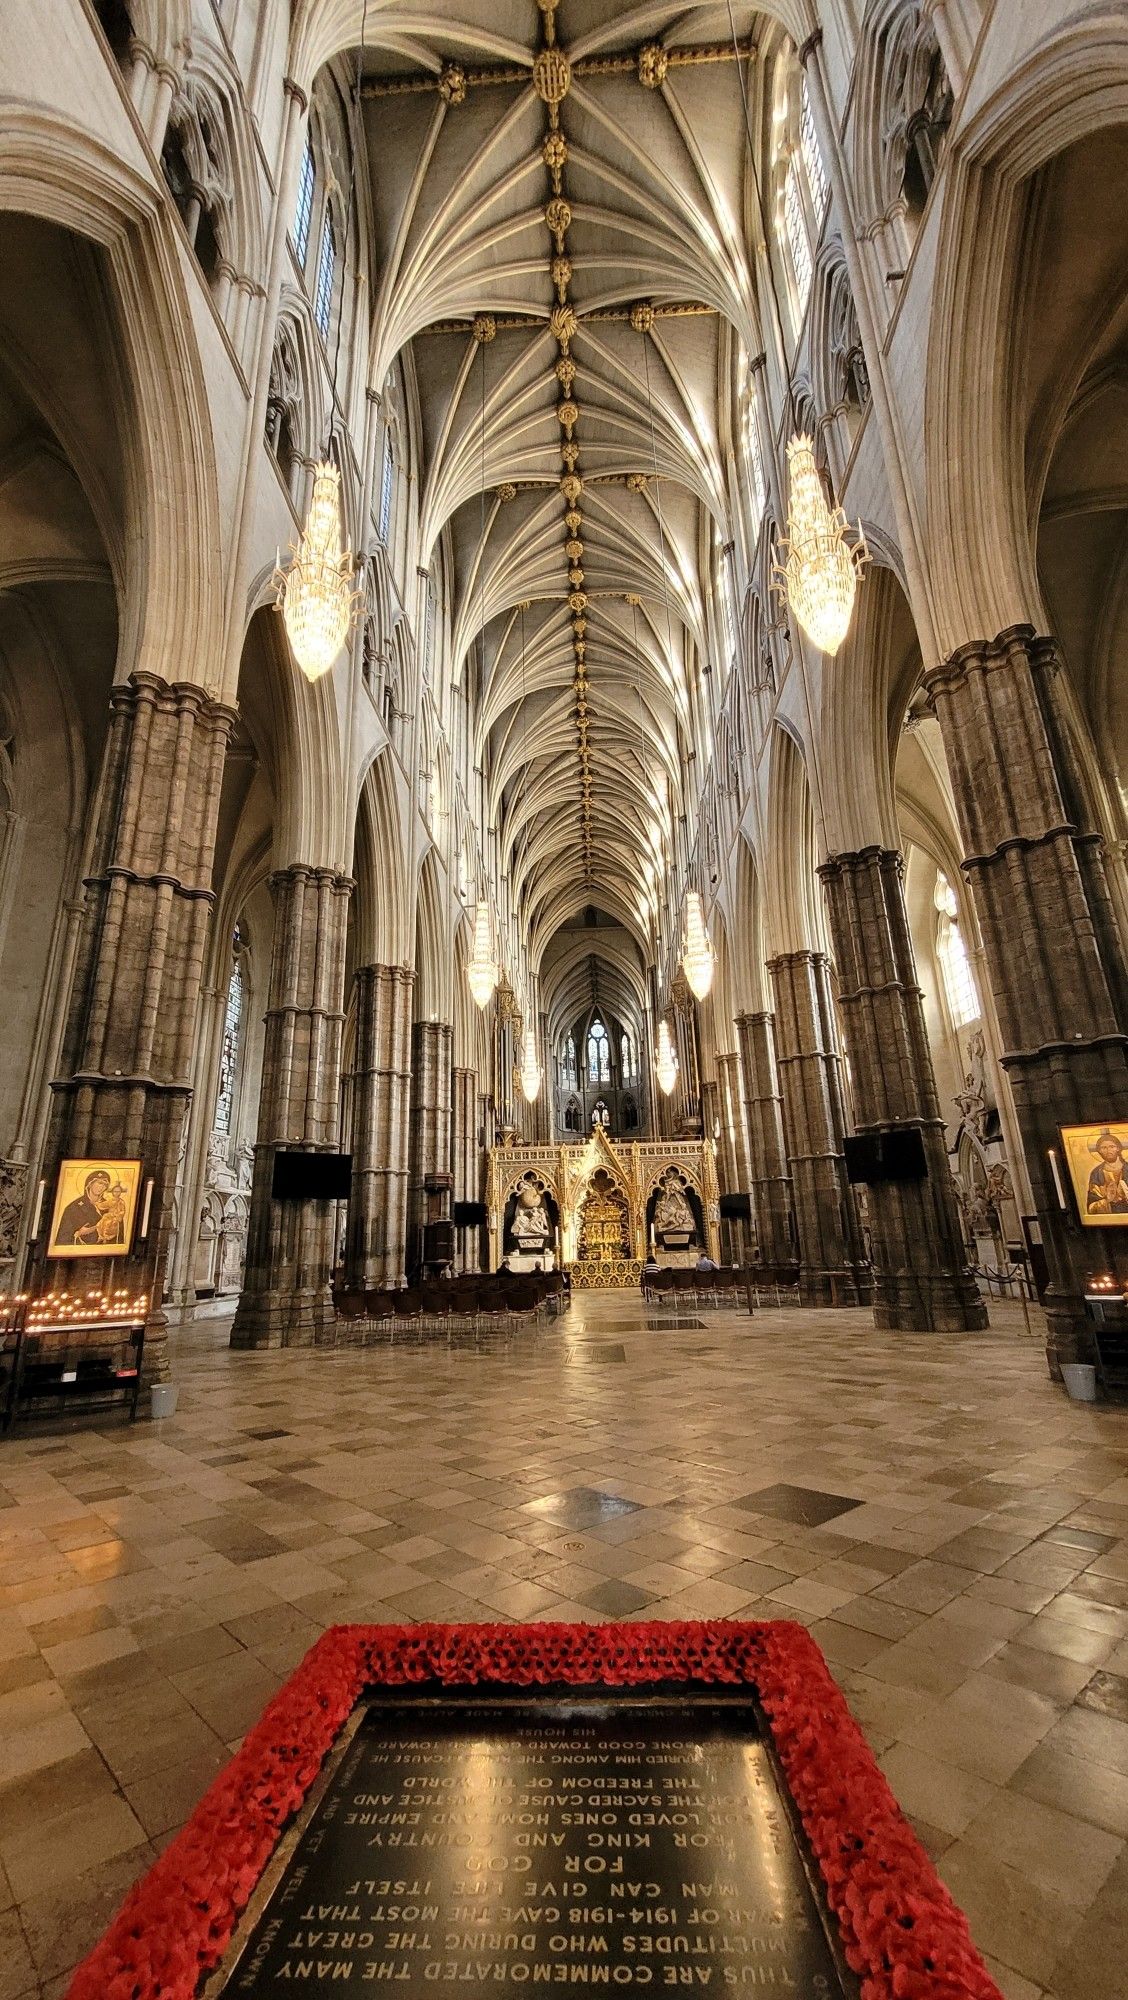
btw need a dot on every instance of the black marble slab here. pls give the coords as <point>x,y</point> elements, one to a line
<point>479,1846</point>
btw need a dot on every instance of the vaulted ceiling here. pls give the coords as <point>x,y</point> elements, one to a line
<point>560,199</point>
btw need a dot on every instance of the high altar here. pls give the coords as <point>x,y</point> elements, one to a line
<point>601,1206</point>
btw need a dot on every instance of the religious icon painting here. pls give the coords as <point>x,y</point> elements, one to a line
<point>1097,1159</point>
<point>95,1208</point>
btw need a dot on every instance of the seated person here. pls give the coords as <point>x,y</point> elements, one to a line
<point>705,1262</point>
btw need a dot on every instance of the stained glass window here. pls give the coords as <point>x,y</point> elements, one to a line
<point>598,1054</point>
<point>387,475</point>
<point>955,966</point>
<point>326,272</point>
<point>229,1058</point>
<point>812,158</point>
<point>795,225</point>
<point>303,213</point>
<point>754,454</point>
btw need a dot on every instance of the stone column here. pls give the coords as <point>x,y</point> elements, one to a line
<point>732,1124</point>
<point>376,1234</point>
<point>431,1043</point>
<point>124,1084</point>
<point>466,1162</point>
<point>285,1301</point>
<point>921,1280</point>
<point>1055,958</point>
<point>832,1265</point>
<point>769,1178</point>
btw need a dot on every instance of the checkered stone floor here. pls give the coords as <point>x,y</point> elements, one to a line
<point>954,1532</point>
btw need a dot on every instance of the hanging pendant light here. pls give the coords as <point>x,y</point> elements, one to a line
<point>665,1062</point>
<point>819,575</point>
<point>316,594</point>
<point>531,1075</point>
<point>698,957</point>
<point>482,967</point>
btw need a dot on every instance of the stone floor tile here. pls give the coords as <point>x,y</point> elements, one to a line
<point>1007,1516</point>
<point>17,1967</point>
<point>1022,1925</point>
<point>70,1844</point>
<point>938,1793</point>
<point>1059,1853</point>
<point>1094,1964</point>
<point>1044,1673</point>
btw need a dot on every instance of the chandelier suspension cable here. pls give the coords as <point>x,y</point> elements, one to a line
<point>698,957</point>
<point>662,1055</point>
<point>781,336</point>
<point>532,1073</point>
<point>357,127</point>
<point>317,592</point>
<point>482,967</point>
<point>661,527</point>
<point>818,578</point>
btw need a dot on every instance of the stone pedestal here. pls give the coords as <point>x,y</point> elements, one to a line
<point>376,1233</point>
<point>1055,959</point>
<point>124,1082</point>
<point>286,1300</point>
<point>466,1162</point>
<point>769,1178</point>
<point>921,1280</point>
<point>430,1121</point>
<point>832,1264</point>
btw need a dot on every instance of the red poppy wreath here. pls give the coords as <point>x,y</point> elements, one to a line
<point>901,1933</point>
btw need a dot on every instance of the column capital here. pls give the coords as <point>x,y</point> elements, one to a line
<point>887,859</point>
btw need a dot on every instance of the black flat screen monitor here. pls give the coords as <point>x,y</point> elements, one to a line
<point>736,1207</point>
<point>470,1215</point>
<point>311,1176</point>
<point>896,1154</point>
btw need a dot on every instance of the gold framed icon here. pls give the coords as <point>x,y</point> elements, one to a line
<point>95,1208</point>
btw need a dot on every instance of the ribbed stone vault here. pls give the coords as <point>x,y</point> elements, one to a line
<point>561,201</point>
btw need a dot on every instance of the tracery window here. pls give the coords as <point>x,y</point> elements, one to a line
<point>326,273</point>
<point>754,460</point>
<point>812,157</point>
<point>387,480</point>
<point>303,210</point>
<point>570,1059</point>
<point>626,1055</point>
<point>598,1054</point>
<point>795,225</point>
<point>232,1035</point>
<point>955,966</point>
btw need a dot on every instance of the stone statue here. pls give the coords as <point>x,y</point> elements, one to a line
<point>673,1216</point>
<point>531,1227</point>
<point>972,1105</point>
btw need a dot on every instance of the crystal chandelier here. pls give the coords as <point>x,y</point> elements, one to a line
<point>482,967</point>
<point>316,594</point>
<point>698,957</point>
<point>665,1062</point>
<point>530,1071</point>
<point>819,575</point>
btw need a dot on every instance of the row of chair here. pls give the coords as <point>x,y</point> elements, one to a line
<point>758,1285</point>
<point>676,1286</point>
<point>459,1305</point>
